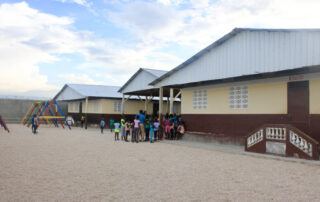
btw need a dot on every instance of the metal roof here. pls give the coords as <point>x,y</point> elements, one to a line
<point>221,41</point>
<point>156,73</point>
<point>81,91</point>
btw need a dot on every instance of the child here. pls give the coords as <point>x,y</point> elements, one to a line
<point>156,129</point>
<point>167,127</point>
<point>180,130</point>
<point>151,130</point>
<point>127,128</point>
<point>135,135</point>
<point>111,124</point>
<point>35,124</point>
<point>116,131</point>
<point>147,128</point>
<point>102,124</point>
<point>123,125</point>
<point>172,131</point>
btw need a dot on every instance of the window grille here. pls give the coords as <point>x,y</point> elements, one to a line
<point>117,106</point>
<point>96,106</point>
<point>238,97</point>
<point>199,99</point>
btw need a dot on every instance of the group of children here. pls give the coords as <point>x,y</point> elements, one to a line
<point>143,128</point>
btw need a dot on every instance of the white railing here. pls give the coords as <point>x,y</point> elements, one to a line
<point>255,138</point>
<point>300,143</point>
<point>273,133</point>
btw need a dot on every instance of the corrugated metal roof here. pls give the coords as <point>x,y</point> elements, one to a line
<point>155,72</point>
<point>217,68</point>
<point>143,83</point>
<point>96,90</point>
<point>81,91</point>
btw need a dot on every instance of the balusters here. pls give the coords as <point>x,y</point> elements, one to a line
<point>300,143</point>
<point>255,138</point>
<point>276,133</point>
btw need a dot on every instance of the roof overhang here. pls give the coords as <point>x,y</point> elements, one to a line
<point>296,71</point>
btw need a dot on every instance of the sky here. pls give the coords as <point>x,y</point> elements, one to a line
<point>45,44</point>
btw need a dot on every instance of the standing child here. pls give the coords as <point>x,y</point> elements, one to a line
<point>102,124</point>
<point>172,131</point>
<point>123,125</point>
<point>116,131</point>
<point>147,128</point>
<point>151,130</point>
<point>167,127</point>
<point>127,131</point>
<point>156,125</point>
<point>180,130</point>
<point>111,124</point>
<point>135,135</point>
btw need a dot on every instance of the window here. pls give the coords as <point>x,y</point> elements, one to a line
<point>238,97</point>
<point>96,106</point>
<point>199,99</point>
<point>70,107</point>
<point>117,106</point>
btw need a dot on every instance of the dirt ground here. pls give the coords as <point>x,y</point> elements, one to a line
<point>84,165</point>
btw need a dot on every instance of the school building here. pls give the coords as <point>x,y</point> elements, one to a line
<point>138,85</point>
<point>258,87</point>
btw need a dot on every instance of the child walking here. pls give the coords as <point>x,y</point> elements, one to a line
<point>116,131</point>
<point>102,124</point>
<point>35,124</point>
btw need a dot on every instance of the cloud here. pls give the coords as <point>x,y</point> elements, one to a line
<point>198,23</point>
<point>79,79</point>
<point>80,2</point>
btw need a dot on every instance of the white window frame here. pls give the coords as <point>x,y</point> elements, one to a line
<point>200,99</point>
<point>239,97</point>
<point>96,106</point>
<point>117,106</point>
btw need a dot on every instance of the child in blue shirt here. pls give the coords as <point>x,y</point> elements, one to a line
<point>151,130</point>
<point>116,131</point>
<point>102,124</point>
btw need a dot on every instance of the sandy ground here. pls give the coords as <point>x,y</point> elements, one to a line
<point>81,165</point>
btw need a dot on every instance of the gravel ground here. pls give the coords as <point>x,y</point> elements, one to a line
<point>84,165</point>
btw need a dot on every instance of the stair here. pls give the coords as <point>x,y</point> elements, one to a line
<point>283,140</point>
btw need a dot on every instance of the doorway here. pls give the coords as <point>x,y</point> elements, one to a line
<point>298,105</point>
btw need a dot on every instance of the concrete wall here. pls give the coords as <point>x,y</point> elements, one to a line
<point>13,110</point>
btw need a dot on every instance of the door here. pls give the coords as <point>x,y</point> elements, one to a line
<point>155,109</point>
<point>298,105</point>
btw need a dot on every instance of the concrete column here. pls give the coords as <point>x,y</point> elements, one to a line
<point>171,101</point>
<point>160,102</point>
<point>122,104</point>
<point>146,104</point>
<point>86,114</point>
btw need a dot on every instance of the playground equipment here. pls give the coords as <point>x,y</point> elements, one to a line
<point>48,112</point>
<point>3,124</point>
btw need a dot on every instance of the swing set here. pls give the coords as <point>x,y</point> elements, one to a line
<point>3,124</point>
<point>48,112</point>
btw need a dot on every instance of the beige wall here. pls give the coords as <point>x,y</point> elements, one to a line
<point>106,106</point>
<point>314,91</point>
<point>267,98</point>
<point>73,107</point>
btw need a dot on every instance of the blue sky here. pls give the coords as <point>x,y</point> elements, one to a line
<point>47,43</point>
